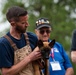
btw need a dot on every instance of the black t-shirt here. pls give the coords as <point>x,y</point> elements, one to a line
<point>73,45</point>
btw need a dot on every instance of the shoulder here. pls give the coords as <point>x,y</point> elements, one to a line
<point>33,39</point>
<point>74,31</point>
<point>74,36</point>
<point>4,43</point>
<point>32,35</point>
<point>3,40</point>
<point>58,47</point>
<point>57,44</point>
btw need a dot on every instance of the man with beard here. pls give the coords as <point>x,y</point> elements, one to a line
<point>17,48</point>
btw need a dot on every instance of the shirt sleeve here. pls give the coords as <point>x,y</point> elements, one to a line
<point>73,45</point>
<point>6,54</point>
<point>67,62</point>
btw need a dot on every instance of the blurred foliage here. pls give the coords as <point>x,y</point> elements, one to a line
<point>57,11</point>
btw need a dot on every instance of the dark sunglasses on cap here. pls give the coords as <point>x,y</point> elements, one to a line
<point>43,31</point>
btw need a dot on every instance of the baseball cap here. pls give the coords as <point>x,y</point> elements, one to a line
<point>42,22</point>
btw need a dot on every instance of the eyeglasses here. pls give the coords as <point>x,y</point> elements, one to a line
<point>43,31</point>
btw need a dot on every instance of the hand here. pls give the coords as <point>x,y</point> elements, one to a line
<point>35,54</point>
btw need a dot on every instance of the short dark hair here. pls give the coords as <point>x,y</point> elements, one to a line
<point>42,22</point>
<point>15,12</point>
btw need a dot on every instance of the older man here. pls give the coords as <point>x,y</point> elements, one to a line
<point>59,62</point>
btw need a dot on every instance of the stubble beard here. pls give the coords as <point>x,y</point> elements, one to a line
<point>20,30</point>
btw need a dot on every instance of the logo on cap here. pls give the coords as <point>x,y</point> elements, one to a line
<point>42,21</point>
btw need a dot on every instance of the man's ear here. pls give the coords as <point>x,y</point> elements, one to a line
<point>40,43</point>
<point>12,23</point>
<point>51,44</point>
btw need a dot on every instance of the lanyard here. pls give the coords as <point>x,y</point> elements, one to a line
<point>52,54</point>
